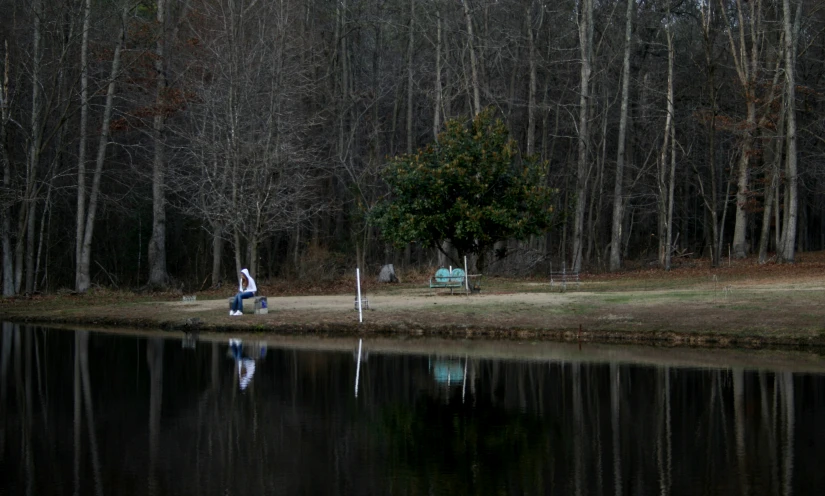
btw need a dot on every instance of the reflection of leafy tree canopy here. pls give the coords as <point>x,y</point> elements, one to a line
<point>467,188</point>
<point>454,448</point>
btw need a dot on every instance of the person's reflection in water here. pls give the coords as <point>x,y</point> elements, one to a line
<point>246,364</point>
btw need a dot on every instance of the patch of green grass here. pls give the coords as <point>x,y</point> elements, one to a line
<point>743,307</point>
<point>645,297</point>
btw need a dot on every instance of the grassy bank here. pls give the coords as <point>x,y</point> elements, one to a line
<point>741,305</point>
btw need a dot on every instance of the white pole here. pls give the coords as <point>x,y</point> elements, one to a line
<point>358,368</point>
<point>466,277</point>
<point>358,285</point>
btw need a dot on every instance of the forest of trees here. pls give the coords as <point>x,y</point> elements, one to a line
<point>170,142</point>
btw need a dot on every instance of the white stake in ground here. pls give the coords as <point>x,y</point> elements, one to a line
<point>466,276</point>
<point>358,286</point>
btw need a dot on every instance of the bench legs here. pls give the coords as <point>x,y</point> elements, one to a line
<point>261,306</point>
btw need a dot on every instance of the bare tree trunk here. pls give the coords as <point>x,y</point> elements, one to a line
<point>217,253</point>
<point>439,97</point>
<point>665,200</point>
<point>765,235</point>
<point>709,198</point>
<point>473,62</point>
<point>531,95</point>
<point>5,212</point>
<point>777,217</point>
<point>787,250</point>
<point>236,237</point>
<point>595,208</point>
<point>86,251</point>
<point>297,251</point>
<point>671,115</point>
<point>618,200</point>
<point>253,255</point>
<point>44,218</point>
<point>30,235</point>
<point>81,153</point>
<point>25,233</point>
<point>671,186</point>
<point>747,66</point>
<point>439,91</point>
<point>740,245</point>
<point>582,172</point>
<point>157,243</point>
<point>410,44</point>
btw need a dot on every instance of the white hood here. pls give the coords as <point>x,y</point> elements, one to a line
<point>251,284</point>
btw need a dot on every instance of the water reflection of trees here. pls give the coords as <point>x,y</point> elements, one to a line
<point>102,414</point>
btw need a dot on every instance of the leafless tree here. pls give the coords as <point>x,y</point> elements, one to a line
<point>250,171</point>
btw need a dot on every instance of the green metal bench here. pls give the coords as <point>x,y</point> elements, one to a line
<point>444,279</point>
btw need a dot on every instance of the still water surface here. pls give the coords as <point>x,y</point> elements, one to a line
<point>100,413</point>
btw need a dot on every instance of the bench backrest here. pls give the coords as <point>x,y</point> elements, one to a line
<point>442,275</point>
<point>457,275</point>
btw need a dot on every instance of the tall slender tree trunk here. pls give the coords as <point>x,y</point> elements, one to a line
<point>45,219</point>
<point>670,197</point>
<point>253,254</point>
<point>5,160</point>
<point>468,20</point>
<point>83,280</point>
<point>217,253</point>
<point>665,181</point>
<point>747,67</point>
<point>583,167</point>
<point>618,198</point>
<point>778,150</point>
<point>531,92</point>
<point>25,234</point>
<point>439,98</point>
<point>439,90</point>
<point>740,244</point>
<point>156,252</point>
<point>410,46</point>
<point>81,153</point>
<point>710,198</point>
<point>787,251</point>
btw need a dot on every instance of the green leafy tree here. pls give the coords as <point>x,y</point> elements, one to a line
<point>469,187</point>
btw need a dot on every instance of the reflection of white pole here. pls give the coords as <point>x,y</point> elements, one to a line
<point>464,383</point>
<point>466,276</point>
<point>358,285</point>
<point>358,368</point>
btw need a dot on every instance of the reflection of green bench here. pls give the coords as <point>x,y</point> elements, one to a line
<point>445,279</point>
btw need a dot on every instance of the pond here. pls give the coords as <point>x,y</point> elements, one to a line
<point>115,413</point>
